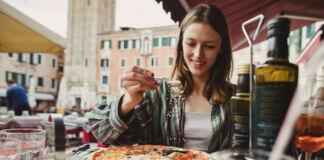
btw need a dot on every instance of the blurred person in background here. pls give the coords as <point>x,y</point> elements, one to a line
<point>16,98</point>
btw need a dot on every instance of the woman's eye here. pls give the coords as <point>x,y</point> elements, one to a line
<point>210,46</point>
<point>190,43</point>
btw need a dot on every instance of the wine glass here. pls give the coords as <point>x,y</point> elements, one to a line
<point>10,149</point>
<point>32,141</point>
<point>309,129</point>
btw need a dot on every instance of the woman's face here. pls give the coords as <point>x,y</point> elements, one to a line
<point>201,45</point>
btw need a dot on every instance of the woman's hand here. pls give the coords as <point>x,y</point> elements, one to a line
<point>135,82</point>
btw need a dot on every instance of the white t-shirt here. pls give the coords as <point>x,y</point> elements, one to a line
<point>198,130</point>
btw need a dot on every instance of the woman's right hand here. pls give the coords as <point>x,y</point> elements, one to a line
<point>135,81</point>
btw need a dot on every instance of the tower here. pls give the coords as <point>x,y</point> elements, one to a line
<point>86,18</point>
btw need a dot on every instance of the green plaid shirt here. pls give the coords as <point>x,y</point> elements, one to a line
<point>156,120</point>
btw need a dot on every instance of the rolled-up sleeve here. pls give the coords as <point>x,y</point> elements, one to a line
<point>105,123</point>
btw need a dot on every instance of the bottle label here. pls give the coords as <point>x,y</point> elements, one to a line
<point>240,123</point>
<point>270,104</point>
<point>240,137</point>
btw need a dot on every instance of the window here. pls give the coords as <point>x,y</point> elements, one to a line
<point>21,79</point>
<point>8,76</point>
<point>61,69</point>
<point>105,63</point>
<point>39,59</point>
<point>105,44</point>
<point>54,63</point>
<point>78,102</point>
<point>102,44</point>
<point>18,77</point>
<point>134,43</point>
<point>165,41</point>
<point>53,83</point>
<point>309,31</point>
<point>20,57</point>
<point>40,81</point>
<point>296,37</point>
<point>170,61</point>
<point>104,100</point>
<point>104,79</point>
<point>138,62</point>
<point>123,62</point>
<point>125,44</point>
<point>10,55</point>
<point>154,61</point>
<point>155,42</point>
<point>31,58</point>
<point>119,44</point>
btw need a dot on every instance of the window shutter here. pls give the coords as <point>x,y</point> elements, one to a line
<point>102,44</point>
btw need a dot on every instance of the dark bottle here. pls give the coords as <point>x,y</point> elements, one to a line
<point>276,82</point>
<point>240,109</point>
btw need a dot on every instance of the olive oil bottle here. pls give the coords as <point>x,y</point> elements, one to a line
<point>276,82</point>
<point>240,111</point>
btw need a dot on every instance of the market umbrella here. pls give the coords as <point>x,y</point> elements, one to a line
<point>20,33</point>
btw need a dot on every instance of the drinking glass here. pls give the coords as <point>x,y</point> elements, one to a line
<point>245,154</point>
<point>309,129</point>
<point>32,141</point>
<point>10,149</point>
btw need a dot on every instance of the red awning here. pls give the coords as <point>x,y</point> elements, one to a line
<point>238,11</point>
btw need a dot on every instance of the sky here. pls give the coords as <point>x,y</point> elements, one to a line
<point>131,13</point>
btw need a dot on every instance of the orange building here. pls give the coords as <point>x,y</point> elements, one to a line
<point>150,48</point>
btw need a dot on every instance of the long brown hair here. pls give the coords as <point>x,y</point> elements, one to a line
<point>217,86</point>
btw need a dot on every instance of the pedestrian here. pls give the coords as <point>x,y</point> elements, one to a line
<point>16,98</point>
<point>203,66</point>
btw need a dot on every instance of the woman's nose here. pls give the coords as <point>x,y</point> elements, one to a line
<point>198,51</point>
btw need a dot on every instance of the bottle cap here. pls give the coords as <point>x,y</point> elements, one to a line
<point>278,27</point>
<point>244,69</point>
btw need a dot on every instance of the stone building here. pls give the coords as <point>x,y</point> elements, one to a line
<point>86,18</point>
<point>151,48</point>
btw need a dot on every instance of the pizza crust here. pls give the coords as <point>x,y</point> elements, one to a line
<point>147,152</point>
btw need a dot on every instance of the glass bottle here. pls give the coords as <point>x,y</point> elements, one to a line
<point>276,82</point>
<point>240,109</point>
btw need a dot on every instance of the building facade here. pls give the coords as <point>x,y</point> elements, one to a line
<point>46,70</point>
<point>86,18</point>
<point>150,48</point>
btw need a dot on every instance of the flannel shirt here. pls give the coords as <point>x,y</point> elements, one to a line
<point>156,120</point>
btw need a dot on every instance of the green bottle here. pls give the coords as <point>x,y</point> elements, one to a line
<point>240,111</point>
<point>276,81</point>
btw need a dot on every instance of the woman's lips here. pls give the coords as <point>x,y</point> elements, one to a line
<point>197,64</point>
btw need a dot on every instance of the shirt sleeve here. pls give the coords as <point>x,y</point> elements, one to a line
<point>105,123</point>
<point>110,128</point>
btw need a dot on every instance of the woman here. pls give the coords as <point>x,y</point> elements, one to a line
<point>203,65</point>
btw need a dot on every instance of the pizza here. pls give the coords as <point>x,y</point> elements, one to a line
<point>149,152</point>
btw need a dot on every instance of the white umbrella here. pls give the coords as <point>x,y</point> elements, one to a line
<point>31,92</point>
<point>62,95</point>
